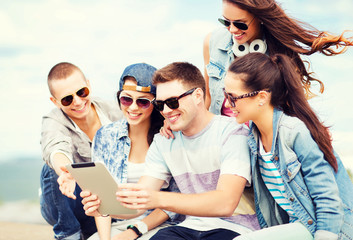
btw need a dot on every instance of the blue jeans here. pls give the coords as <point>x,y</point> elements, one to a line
<point>177,233</point>
<point>66,215</point>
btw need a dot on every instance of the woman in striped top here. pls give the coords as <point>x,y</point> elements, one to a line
<point>302,190</point>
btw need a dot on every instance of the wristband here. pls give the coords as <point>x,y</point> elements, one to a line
<point>142,227</point>
<point>133,228</point>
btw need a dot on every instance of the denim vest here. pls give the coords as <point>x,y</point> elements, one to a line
<point>221,56</point>
<point>321,198</point>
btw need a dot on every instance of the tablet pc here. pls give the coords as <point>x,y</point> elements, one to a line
<point>95,177</point>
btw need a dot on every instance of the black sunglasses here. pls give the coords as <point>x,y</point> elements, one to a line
<point>83,92</point>
<point>172,103</point>
<point>141,102</point>
<point>237,24</point>
<point>232,99</point>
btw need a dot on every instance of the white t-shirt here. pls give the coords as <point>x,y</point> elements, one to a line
<point>197,161</point>
<point>134,171</point>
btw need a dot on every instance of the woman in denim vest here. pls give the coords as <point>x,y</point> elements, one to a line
<point>300,183</point>
<point>261,26</point>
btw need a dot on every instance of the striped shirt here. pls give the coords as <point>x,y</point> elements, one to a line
<point>274,182</point>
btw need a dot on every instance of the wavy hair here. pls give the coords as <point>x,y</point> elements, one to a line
<point>279,74</point>
<point>292,37</point>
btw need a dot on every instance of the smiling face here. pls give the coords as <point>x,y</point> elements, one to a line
<point>232,12</point>
<point>80,106</point>
<point>134,114</point>
<point>245,109</point>
<point>182,118</point>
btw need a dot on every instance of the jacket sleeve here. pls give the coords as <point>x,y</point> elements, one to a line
<point>320,181</point>
<point>55,137</point>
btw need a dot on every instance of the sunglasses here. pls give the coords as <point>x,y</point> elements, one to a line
<point>83,92</point>
<point>172,103</point>
<point>232,99</point>
<point>237,24</point>
<point>140,102</point>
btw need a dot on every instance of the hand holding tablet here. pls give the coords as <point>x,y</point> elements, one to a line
<point>95,178</point>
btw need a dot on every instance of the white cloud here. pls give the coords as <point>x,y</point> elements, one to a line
<point>103,37</point>
<point>100,37</point>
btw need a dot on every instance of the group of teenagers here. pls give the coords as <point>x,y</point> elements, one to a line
<point>234,153</point>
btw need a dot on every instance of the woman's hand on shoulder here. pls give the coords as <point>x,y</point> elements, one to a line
<point>165,131</point>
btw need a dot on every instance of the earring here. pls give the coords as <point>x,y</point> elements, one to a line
<point>261,104</point>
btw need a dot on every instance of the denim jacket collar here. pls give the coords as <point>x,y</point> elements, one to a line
<point>254,133</point>
<point>226,43</point>
<point>125,128</point>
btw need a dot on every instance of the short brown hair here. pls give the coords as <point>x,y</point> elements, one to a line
<point>61,71</point>
<point>185,72</point>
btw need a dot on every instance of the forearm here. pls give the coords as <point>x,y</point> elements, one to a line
<point>209,204</point>
<point>218,203</point>
<point>59,160</point>
<point>155,218</point>
<point>103,227</point>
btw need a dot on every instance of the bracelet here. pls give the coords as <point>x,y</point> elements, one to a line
<point>133,228</point>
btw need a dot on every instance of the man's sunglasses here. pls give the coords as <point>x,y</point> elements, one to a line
<point>237,24</point>
<point>67,101</point>
<point>140,102</point>
<point>172,103</point>
<point>232,99</point>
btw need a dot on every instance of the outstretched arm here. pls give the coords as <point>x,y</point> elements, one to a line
<point>66,182</point>
<point>218,203</point>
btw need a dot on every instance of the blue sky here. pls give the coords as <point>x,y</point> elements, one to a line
<point>102,37</point>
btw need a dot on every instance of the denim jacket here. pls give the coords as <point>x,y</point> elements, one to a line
<point>111,145</point>
<point>321,198</point>
<point>221,56</point>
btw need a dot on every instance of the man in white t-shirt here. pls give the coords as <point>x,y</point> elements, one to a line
<point>208,158</point>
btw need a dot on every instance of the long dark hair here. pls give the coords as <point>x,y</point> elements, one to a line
<point>156,121</point>
<point>292,37</point>
<point>278,74</point>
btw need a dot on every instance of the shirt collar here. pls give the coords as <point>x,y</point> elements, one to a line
<point>226,43</point>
